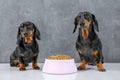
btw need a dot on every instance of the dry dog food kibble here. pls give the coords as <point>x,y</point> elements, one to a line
<point>59,57</point>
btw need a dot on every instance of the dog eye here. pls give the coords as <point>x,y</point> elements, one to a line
<point>79,16</point>
<point>87,17</point>
<point>21,29</point>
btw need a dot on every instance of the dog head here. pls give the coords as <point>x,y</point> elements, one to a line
<point>84,21</point>
<point>27,32</point>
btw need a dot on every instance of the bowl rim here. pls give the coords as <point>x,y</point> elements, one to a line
<point>59,59</point>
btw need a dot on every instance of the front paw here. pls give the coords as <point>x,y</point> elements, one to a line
<point>36,68</point>
<point>102,70</point>
<point>22,69</point>
<point>100,67</point>
<point>81,68</point>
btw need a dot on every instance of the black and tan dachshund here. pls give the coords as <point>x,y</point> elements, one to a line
<point>88,45</point>
<point>27,47</point>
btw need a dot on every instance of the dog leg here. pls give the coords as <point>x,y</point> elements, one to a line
<point>22,67</point>
<point>80,54</point>
<point>16,63</point>
<point>22,64</point>
<point>13,61</point>
<point>82,65</point>
<point>100,66</point>
<point>34,63</point>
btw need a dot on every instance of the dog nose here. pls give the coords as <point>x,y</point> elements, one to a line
<point>25,34</point>
<point>82,24</point>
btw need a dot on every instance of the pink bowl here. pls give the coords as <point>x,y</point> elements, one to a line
<point>59,66</point>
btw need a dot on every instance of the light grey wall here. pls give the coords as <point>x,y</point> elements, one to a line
<point>54,19</point>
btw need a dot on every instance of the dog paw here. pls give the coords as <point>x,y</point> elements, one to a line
<point>80,68</point>
<point>102,70</point>
<point>22,69</point>
<point>36,68</point>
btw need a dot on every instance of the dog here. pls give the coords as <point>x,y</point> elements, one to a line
<point>27,47</point>
<point>88,45</point>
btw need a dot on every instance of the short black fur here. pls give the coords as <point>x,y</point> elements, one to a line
<point>26,52</point>
<point>89,44</point>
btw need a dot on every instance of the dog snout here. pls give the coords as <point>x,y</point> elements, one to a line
<point>82,24</point>
<point>25,33</point>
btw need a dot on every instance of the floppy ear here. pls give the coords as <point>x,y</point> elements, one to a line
<point>37,33</point>
<point>18,36</point>
<point>75,23</point>
<point>95,23</point>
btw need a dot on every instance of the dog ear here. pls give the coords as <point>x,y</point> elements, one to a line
<point>95,23</point>
<point>18,36</point>
<point>37,33</point>
<point>75,23</point>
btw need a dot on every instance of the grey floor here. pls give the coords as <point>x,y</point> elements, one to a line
<point>12,73</point>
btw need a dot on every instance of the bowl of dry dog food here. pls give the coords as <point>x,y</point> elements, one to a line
<point>59,64</point>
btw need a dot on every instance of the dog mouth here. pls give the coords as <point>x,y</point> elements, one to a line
<point>28,39</point>
<point>85,32</point>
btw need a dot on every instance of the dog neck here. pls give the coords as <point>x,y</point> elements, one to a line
<point>92,35</point>
<point>25,45</point>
